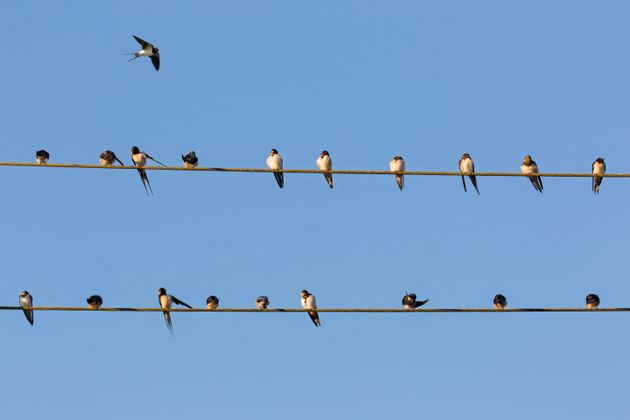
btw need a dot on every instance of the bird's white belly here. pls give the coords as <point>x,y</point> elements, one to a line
<point>529,169</point>
<point>139,159</point>
<point>466,166</point>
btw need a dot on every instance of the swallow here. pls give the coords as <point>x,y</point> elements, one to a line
<point>41,157</point>
<point>26,302</point>
<point>139,159</point>
<point>324,163</point>
<point>529,167</point>
<point>467,166</point>
<point>94,301</point>
<point>148,50</point>
<point>212,302</point>
<point>166,301</point>
<point>108,158</point>
<point>274,162</point>
<point>262,302</point>
<point>592,301</point>
<point>190,160</point>
<point>397,164</point>
<point>409,301</point>
<point>499,302</point>
<point>599,168</point>
<point>308,302</point>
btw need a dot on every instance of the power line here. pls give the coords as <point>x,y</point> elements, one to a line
<point>322,310</point>
<point>311,171</point>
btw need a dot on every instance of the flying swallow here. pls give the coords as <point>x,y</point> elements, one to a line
<point>26,302</point>
<point>108,158</point>
<point>94,301</point>
<point>599,168</point>
<point>166,301</point>
<point>308,302</point>
<point>592,301</point>
<point>529,167</point>
<point>499,302</point>
<point>409,301</point>
<point>467,166</point>
<point>212,302</point>
<point>139,160</point>
<point>274,162</point>
<point>148,50</point>
<point>190,160</point>
<point>262,302</point>
<point>324,163</point>
<point>41,157</point>
<point>397,164</point>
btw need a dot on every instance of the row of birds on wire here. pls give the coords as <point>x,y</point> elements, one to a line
<point>166,301</point>
<point>324,163</point>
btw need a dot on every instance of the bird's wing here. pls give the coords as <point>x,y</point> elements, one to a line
<point>141,41</point>
<point>421,302</point>
<point>154,160</point>
<point>155,59</point>
<point>180,302</point>
<point>118,160</point>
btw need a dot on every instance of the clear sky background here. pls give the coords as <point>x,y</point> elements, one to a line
<point>365,80</point>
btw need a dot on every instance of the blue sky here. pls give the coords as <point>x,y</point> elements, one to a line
<point>365,80</point>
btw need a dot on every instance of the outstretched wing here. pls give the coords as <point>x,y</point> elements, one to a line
<point>154,160</point>
<point>180,302</point>
<point>118,160</point>
<point>141,41</point>
<point>155,59</point>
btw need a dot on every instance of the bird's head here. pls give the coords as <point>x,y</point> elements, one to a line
<point>135,150</point>
<point>161,291</point>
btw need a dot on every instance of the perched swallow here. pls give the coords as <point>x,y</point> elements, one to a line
<point>397,164</point>
<point>148,50</point>
<point>499,302</point>
<point>592,301</point>
<point>140,159</point>
<point>166,301</point>
<point>262,302</point>
<point>190,160</point>
<point>467,166</point>
<point>529,167</point>
<point>409,301</point>
<point>94,301</point>
<point>308,302</point>
<point>41,157</point>
<point>26,302</point>
<point>108,157</point>
<point>274,162</point>
<point>212,302</point>
<point>599,168</point>
<point>324,163</point>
